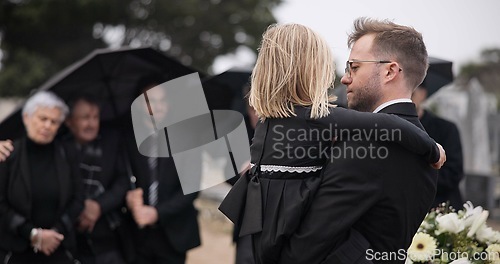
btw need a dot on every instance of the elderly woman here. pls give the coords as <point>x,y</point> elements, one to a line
<point>39,192</point>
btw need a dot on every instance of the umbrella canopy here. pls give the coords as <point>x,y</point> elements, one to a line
<point>109,75</point>
<point>225,90</point>
<point>438,75</point>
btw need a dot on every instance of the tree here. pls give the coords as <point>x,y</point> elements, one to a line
<point>39,38</point>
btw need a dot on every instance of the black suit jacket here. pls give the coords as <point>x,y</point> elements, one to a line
<point>176,212</point>
<point>15,196</point>
<point>446,133</point>
<point>384,199</point>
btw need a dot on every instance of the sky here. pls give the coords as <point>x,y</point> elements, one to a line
<point>454,30</point>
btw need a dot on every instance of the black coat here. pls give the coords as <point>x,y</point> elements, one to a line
<point>176,212</point>
<point>385,200</point>
<point>15,196</point>
<point>446,133</point>
<point>305,213</point>
<point>113,175</point>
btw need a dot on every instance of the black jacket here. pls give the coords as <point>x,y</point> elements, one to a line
<point>384,199</point>
<point>371,179</point>
<point>113,178</point>
<point>15,197</point>
<point>176,212</point>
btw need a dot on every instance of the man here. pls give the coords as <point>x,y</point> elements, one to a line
<point>447,134</point>
<point>166,219</point>
<point>369,208</point>
<point>104,183</point>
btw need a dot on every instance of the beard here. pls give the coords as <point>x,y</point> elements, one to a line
<point>367,95</point>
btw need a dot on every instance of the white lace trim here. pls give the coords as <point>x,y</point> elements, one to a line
<point>279,168</point>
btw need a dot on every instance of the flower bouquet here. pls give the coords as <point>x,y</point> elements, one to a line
<point>448,236</point>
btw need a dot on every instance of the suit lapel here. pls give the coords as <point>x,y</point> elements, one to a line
<point>406,111</point>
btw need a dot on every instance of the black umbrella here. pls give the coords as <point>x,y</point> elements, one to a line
<point>110,75</point>
<point>438,75</point>
<point>225,90</point>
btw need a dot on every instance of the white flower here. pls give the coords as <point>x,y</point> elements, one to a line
<point>471,213</point>
<point>478,222</point>
<point>496,237</point>
<point>461,261</point>
<point>449,223</point>
<point>486,234</point>
<point>493,253</point>
<point>422,248</point>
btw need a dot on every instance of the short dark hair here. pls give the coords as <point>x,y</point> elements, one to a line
<point>88,98</point>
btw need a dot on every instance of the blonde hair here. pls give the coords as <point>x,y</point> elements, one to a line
<point>294,67</point>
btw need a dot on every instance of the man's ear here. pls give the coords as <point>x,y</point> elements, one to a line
<point>392,70</point>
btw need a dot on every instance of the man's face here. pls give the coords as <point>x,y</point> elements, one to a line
<point>84,121</point>
<point>42,125</point>
<point>364,84</point>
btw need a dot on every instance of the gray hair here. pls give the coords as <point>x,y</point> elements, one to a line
<point>45,99</point>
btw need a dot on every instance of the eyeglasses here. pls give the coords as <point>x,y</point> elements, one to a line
<point>348,65</point>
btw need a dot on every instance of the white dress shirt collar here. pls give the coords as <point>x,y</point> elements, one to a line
<point>386,104</point>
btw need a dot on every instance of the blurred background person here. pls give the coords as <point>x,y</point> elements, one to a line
<point>40,194</point>
<point>104,183</point>
<point>447,134</point>
<point>166,219</point>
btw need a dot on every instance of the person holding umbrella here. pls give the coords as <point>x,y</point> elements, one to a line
<point>166,224</point>
<point>40,193</point>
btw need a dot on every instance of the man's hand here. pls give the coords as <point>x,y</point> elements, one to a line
<point>89,215</point>
<point>50,241</point>
<point>145,215</point>
<point>442,158</point>
<point>6,148</point>
<point>134,199</point>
